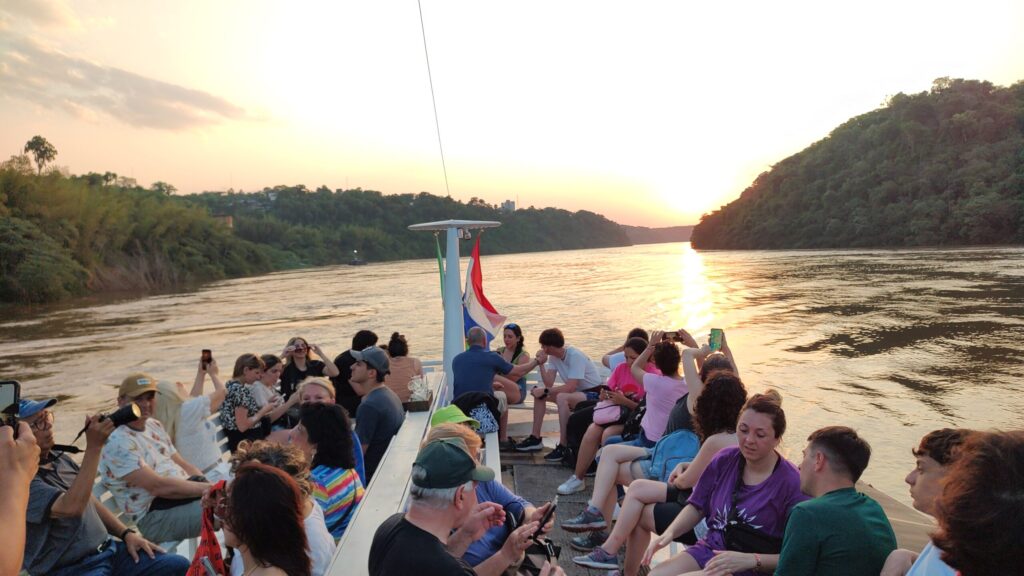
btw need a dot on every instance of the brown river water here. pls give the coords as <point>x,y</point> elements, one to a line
<point>892,342</point>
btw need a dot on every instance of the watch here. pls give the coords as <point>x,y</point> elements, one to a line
<point>125,533</point>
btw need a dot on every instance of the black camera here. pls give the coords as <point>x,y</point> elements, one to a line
<point>123,415</point>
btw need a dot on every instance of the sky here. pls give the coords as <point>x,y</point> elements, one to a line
<point>651,113</point>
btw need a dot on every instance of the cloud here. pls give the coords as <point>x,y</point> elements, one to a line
<point>42,13</point>
<point>52,79</point>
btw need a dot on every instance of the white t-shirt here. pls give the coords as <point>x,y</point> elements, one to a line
<point>263,394</point>
<point>128,450</point>
<point>196,436</point>
<point>576,366</point>
<point>930,563</point>
<point>321,544</point>
<point>615,359</point>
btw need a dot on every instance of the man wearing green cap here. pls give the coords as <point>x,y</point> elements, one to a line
<point>443,498</point>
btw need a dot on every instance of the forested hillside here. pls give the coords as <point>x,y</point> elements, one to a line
<point>324,227</point>
<point>944,167</point>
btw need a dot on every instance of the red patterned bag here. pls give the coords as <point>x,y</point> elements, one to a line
<point>209,547</point>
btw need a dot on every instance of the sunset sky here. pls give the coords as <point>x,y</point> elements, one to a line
<point>650,113</point>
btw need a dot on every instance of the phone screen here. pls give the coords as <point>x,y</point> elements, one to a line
<point>715,339</point>
<point>547,517</point>
<point>207,357</point>
<point>10,393</point>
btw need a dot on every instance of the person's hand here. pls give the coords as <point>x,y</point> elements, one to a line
<point>287,351</point>
<point>541,357</point>
<point>549,569</point>
<point>898,563</point>
<point>19,458</point>
<point>616,397</point>
<point>727,562</point>
<point>518,541</point>
<point>656,336</point>
<point>676,472</point>
<point>538,515</point>
<point>484,516</point>
<point>212,368</point>
<point>133,543</point>
<point>97,431</point>
<point>725,343</point>
<point>539,392</point>
<point>687,339</point>
<point>655,545</point>
<point>316,349</point>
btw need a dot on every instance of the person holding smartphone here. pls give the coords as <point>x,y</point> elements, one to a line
<point>19,459</point>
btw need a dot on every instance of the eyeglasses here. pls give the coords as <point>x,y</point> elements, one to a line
<point>44,422</point>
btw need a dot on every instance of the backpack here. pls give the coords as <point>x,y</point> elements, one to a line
<point>671,449</point>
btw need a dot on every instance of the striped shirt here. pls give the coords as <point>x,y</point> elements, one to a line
<point>337,491</point>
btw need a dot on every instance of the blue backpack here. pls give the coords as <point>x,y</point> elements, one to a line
<point>671,449</point>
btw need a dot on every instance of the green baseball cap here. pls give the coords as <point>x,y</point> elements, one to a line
<point>452,413</point>
<point>446,464</point>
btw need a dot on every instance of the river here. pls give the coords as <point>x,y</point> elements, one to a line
<point>892,342</point>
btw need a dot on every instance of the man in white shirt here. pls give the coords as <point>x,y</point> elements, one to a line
<point>580,381</point>
<point>151,483</point>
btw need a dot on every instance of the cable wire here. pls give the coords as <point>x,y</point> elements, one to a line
<point>433,99</point>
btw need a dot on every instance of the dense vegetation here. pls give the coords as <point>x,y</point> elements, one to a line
<point>66,235</point>
<point>944,167</point>
<point>62,236</point>
<point>324,227</point>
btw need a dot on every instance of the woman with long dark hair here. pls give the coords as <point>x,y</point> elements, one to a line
<point>402,368</point>
<point>513,352</point>
<point>324,434</point>
<point>262,515</point>
<point>745,494</point>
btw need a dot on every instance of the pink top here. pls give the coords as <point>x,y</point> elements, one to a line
<point>662,393</point>
<point>622,380</point>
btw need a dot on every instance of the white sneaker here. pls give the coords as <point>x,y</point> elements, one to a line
<point>572,486</point>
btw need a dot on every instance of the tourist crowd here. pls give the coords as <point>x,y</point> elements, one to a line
<point>679,448</point>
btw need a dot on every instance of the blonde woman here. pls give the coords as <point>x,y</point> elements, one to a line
<point>186,416</point>
<point>240,415</point>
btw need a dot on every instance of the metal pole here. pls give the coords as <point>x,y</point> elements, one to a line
<point>454,339</point>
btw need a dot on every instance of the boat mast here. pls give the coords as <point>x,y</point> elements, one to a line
<point>454,336</point>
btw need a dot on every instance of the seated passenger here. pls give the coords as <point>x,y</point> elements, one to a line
<point>292,462</point>
<point>934,456</point>
<point>651,505</point>
<point>580,379</point>
<point>622,394</point>
<point>343,391</point>
<point>69,531</point>
<point>751,485</point>
<point>324,435</point>
<point>839,531</point>
<point>240,415</point>
<point>402,368</point>
<point>267,392</point>
<point>475,370</point>
<point>185,416</point>
<point>616,356</point>
<point>380,414</point>
<point>981,509</point>
<point>513,353</point>
<point>152,485</point>
<point>617,465</point>
<point>303,360</point>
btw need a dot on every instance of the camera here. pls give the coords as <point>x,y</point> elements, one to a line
<point>123,415</point>
<point>10,394</point>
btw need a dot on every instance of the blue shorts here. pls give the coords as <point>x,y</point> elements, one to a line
<point>592,394</point>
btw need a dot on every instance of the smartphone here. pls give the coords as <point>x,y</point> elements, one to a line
<point>715,339</point>
<point>208,566</point>
<point>670,335</point>
<point>546,518</point>
<point>206,357</point>
<point>10,395</point>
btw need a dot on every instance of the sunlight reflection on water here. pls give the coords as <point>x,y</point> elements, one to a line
<point>894,343</point>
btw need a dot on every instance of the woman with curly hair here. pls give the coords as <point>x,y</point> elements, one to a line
<point>324,434</point>
<point>262,514</point>
<point>290,460</point>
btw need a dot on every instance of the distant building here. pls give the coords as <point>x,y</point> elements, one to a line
<point>508,206</point>
<point>226,221</point>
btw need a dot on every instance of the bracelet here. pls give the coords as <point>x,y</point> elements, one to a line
<point>757,560</point>
<point>125,533</point>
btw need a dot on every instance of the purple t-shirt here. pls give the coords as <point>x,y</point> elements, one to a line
<point>765,506</point>
<point>662,393</point>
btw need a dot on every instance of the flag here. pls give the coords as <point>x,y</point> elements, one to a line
<point>476,310</point>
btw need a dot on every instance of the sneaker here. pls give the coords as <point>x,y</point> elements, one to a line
<point>599,559</point>
<point>588,541</point>
<point>585,521</point>
<point>572,486</point>
<point>507,445</point>
<point>557,455</point>
<point>530,444</point>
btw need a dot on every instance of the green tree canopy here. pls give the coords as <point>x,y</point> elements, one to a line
<point>41,150</point>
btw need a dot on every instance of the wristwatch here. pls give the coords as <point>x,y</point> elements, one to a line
<point>125,533</point>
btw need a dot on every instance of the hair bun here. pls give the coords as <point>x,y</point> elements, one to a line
<point>773,395</point>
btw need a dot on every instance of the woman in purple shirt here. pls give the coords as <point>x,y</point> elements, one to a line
<point>751,485</point>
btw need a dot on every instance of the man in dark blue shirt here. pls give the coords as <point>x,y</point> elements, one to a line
<point>475,369</point>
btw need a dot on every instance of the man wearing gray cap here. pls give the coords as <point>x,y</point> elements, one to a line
<point>380,413</point>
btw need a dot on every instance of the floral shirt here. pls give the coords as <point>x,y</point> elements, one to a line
<point>238,394</point>
<point>128,450</point>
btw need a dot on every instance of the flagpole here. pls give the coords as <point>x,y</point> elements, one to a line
<point>454,338</point>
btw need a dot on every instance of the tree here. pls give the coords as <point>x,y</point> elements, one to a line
<point>163,188</point>
<point>42,150</point>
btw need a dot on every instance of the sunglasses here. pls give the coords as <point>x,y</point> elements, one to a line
<point>511,325</point>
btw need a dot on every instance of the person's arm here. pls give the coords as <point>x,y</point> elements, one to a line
<point>728,354</point>
<point>72,503</point>
<point>165,487</point>
<point>727,562</point>
<point>570,385</point>
<point>606,359</point>
<point>217,398</point>
<point>133,541</point>
<point>637,369</point>
<point>520,370</point>
<point>329,368</point>
<point>800,546</point>
<point>417,367</point>
<point>198,382</point>
<point>691,374</point>
<point>244,422</point>
<point>620,399</point>
<point>511,551</point>
<point>898,563</point>
<point>213,371</point>
<point>187,466</point>
<point>19,460</point>
<point>683,522</point>
<point>366,425</point>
